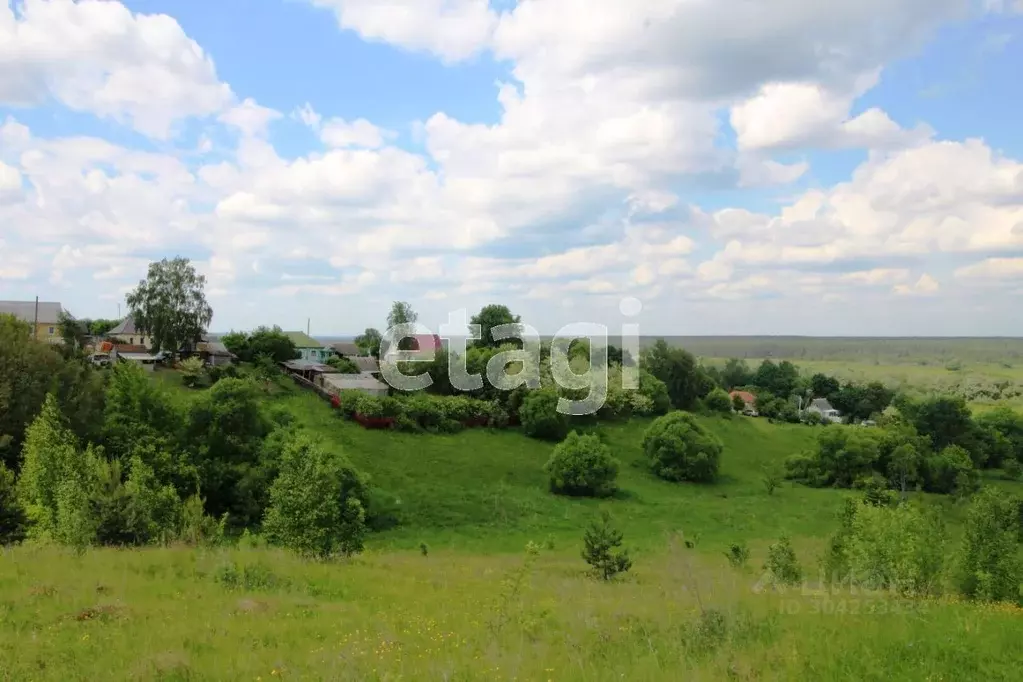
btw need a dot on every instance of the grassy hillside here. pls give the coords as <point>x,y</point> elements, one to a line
<point>479,607</point>
<point>170,614</point>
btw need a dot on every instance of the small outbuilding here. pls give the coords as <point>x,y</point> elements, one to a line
<point>335,384</point>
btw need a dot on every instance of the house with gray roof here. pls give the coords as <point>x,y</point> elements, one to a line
<point>43,317</point>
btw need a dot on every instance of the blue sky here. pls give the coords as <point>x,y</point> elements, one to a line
<point>854,169</point>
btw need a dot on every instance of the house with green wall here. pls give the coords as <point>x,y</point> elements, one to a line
<point>310,348</point>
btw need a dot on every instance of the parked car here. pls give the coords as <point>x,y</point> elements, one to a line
<point>100,359</point>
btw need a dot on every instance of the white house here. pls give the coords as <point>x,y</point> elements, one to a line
<point>822,407</point>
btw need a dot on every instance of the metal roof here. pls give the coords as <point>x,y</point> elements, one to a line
<point>127,326</point>
<point>346,349</point>
<point>308,366</point>
<point>141,357</point>
<point>821,404</point>
<point>353,381</point>
<point>49,311</point>
<point>366,364</point>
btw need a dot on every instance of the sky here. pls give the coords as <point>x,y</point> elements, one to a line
<point>851,167</point>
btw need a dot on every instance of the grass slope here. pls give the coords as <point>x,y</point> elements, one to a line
<point>479,608</point>
<point>485,490</point>
<point>178,614</point>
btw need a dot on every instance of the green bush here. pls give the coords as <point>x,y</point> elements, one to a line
<point>582,465</point>
<point>897,548</point>
<point>950,471</point>
<point>316,503</point>
<point>191,371</point>
<point>656,391</point>
<point>137,511</point>
<point>1013,469</point>
<point>988,566</point>
<point>602,548</point>
<point>718,401</point>
<point>56,480</point>
<point>782,566</point>
<point>343,365</point>
<point>680,449</point>
<point>13,521</point>
<point>738,555</point>
<point>540,416</point>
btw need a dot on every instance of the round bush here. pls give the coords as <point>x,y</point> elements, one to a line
<point>718,401</point>
<point>540,417</point>
<point>681,450</point>
<point>582,465</point>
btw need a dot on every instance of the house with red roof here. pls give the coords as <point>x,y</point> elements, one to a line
<point>749,399</point>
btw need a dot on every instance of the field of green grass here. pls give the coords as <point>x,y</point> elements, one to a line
<point>477,606</point>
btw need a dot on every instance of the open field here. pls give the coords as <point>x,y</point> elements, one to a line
<point>479,607</point>
<point>177,614</point>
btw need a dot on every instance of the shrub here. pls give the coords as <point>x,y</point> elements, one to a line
<point>602,548</point>
<point>198,529</point>
<point>133,512</point>
<point>895,548</point>
<point>656,391</point>
<point>582,465</point>
<point>951,471</point>
<point>845,455</point>
<point>771,479</point>
<point>56,480</point>
<point>988,566</point>
<point>1013,469</point>
<point>13,521</point>
<point>875,491</point>
<point>191,371</point>
<point>782,565</point>
<point>316,503</point>
<point>343,365</point>
<point>640,404</point>
<point>680,449</point>
<point>738,404</point>
<point>540,416</point>
<point>738,555</point>
<point>718,401</point>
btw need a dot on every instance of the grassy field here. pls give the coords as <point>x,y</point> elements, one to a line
<point>479,607</point>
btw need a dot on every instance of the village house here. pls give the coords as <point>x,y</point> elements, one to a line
<point>309,348</point>
<point>127,333</point>
<point>44,317</point>
<point>822,407</point>
<point>749,400</point>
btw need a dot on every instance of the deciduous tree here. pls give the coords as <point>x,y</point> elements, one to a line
<point>170,304</point>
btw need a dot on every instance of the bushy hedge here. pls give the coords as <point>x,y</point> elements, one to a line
<point>680,449</point>
<point>540,417</point>
<point>582,465</point>
<point>423,411</point>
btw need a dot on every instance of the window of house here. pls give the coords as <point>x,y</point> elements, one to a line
<point>51,331</point>
<point>131,340</point>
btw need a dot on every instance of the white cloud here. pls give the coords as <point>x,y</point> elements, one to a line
<point>99,57</point>
<point>807,114</point>
<point>452,29</point>
<point>925,286</point>
<point>359,133</point>
<point>250,118</point>
<point>992,269</point>
<point>940,197</point>
<point>10,183</point>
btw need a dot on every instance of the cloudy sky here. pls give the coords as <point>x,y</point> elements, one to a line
<point>850,167</point>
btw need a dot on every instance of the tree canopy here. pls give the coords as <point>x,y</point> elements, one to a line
<point>170,304</point>
<point>491,316</point>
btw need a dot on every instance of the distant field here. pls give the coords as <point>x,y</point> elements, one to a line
<point>884,351</point>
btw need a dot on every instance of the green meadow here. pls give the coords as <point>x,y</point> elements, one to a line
<point>451,593</point>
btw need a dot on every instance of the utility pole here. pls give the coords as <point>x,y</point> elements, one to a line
<point>308,323</point>
<point>35,322</point>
